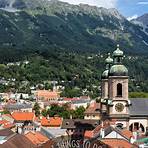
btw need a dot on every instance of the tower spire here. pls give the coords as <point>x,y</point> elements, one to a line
<point>108,62</point>
<point>118,55</point>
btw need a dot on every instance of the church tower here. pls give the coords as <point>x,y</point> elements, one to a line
<point>104,84</point>
<point>104,77</point>
<point>118,89</point>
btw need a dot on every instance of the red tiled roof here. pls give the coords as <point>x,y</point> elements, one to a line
<point>55,121</point>
<point>6,124</point>
<point>118,143</point>
<point>127,133</point>
<point>44,121</point>
<point>3,122</point>
<point>23,116</point>
<point>36,138</point>
<point>9,125</point>
<point>88,134</point>
<point>51,122</point>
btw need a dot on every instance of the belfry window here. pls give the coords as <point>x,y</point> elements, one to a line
<point>119,90</point>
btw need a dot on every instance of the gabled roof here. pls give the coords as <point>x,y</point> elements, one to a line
<point>126,134</point>
<point>109,129</point>
<point>36,138</point>
<point>23,116</point>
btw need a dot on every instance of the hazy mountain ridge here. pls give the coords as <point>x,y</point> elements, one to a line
<point>43,25</point>
<point>143,19</point>
<point>143,22</point>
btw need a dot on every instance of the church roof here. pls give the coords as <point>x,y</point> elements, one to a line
<point>139,107</point>
<point>118,70</point>
<point>109,60</point>
<point>118,52</point>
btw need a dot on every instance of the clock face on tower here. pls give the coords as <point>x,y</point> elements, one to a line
<point>119,107</point>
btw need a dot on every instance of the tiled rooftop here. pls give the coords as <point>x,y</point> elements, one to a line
<point>36,137</point>
<point>23,116</point>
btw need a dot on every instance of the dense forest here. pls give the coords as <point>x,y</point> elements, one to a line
<point>79,73</point>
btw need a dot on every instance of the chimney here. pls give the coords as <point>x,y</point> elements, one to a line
<point>70,116</point>
<point>20,130</point>
<point>102,132</point>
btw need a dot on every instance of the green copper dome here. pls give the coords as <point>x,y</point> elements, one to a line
<point>118,52</point>
<point>109,60</point>
<point>118,70</point>
<point>105,74</point>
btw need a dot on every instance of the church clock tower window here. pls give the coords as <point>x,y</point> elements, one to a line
<point>119,90</point>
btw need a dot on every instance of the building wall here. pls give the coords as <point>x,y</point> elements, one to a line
<point>125,123</point>
<point>104,88</point>
<point>143,121</point>
<point>77,105</point>
<point>113,110</point>
<point>94,117</point>
<point>113,81</point>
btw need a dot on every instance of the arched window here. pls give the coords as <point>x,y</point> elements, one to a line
<point>136,126</point>
<point>119,90</point>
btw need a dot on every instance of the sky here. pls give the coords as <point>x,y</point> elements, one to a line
<point>128,8</point>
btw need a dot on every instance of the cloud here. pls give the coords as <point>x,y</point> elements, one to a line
<point>132,17</point>
<point>99,3</point>
<point>142,3</point>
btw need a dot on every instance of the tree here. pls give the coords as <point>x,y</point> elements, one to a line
<point>78,113</point>
<point>36,108</point>
<point>44,112</point>
<point>6,112</point>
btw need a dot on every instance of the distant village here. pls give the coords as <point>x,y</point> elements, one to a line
<point>44,119</point>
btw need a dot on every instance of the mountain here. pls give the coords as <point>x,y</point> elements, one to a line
<point>143,22</point>
<point>143,19</point>
<point>34,26</point>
